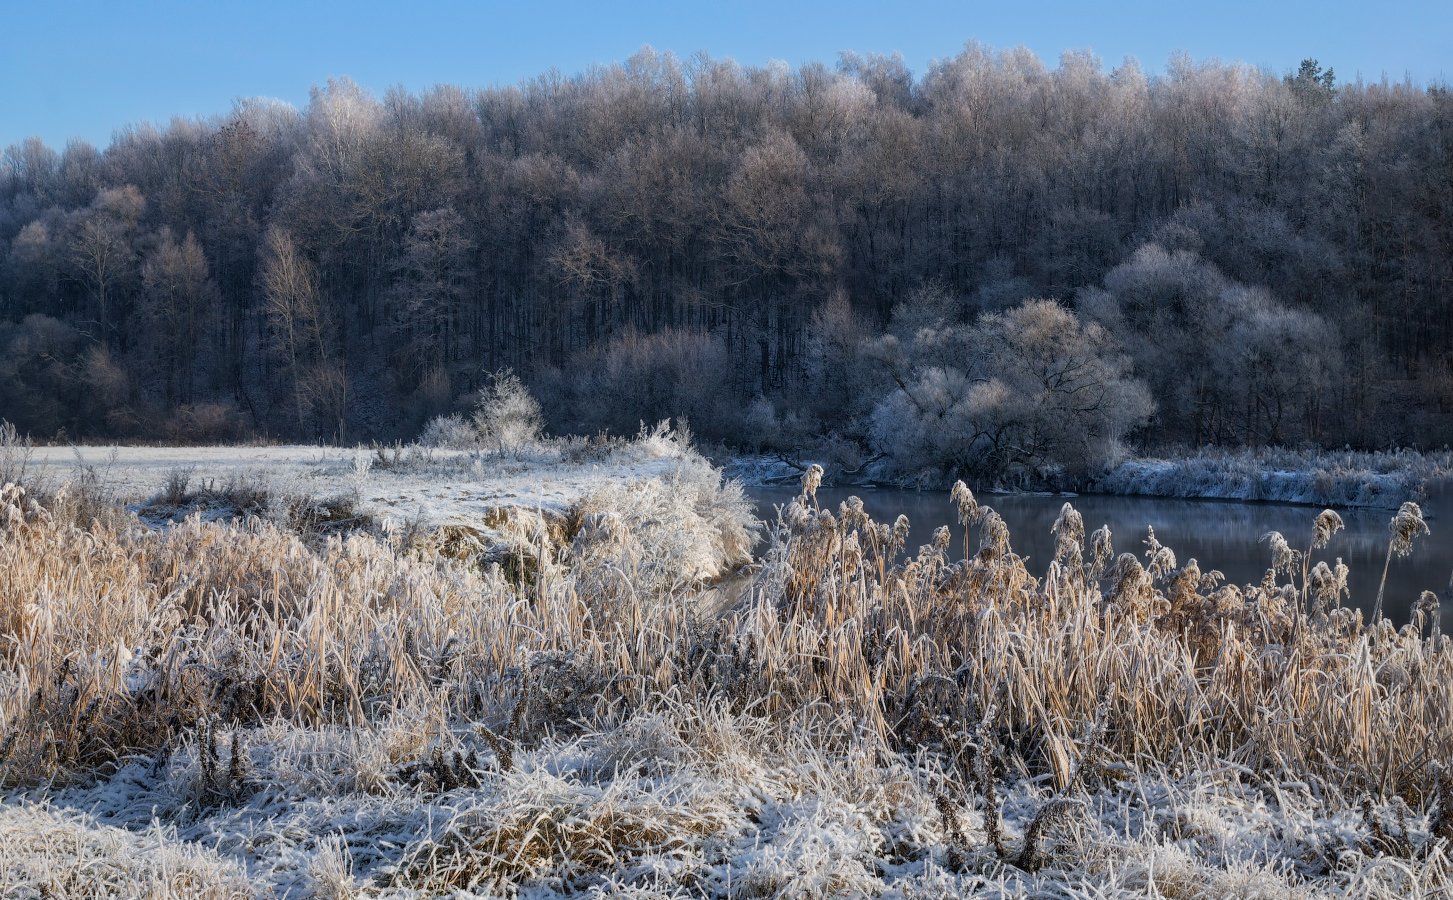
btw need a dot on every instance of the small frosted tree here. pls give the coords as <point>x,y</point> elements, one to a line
<point>1029,390</point>
<point>506,415</point>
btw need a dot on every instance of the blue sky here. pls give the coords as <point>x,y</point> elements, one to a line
<point>82,69</point>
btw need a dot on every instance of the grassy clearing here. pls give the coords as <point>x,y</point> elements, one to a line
<point>399,712</point>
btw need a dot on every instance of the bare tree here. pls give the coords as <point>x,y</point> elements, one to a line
<point>179,299</point>
<point>101,247</point>
<point>294,312</point>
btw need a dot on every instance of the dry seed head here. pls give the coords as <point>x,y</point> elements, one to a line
<point>811,481</point>
<point>851,553</point>
<point>797,515</point>
<point>1212,579</point>
<point>1186,582</point>
<point>1132,590</point>
<point>1152,543</point>
<point>1283,557</point>
<point>1427,605</point>
<point>1162,563</point>
<point>896,537</point>
<point>1406,526</point>
<point>1056,811</point>
<point>1328,523</point>
<point>1069,534</point>
<point>941,538</point>
<point>994,536</point>
<point>969,509</point>
<point>1326,584</point>
<point>852,514</point>
<point>1102,548</point>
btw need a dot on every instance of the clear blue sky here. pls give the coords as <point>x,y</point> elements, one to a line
<point>82,69</point>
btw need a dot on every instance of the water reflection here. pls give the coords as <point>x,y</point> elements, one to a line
<point>1217,534</point>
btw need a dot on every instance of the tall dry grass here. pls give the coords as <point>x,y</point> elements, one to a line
<point>119,644</point>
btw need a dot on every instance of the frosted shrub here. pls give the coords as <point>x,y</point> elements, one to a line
<point>506,416</point>
<point>1327,477</point>
<point>1028,392</point>
<point>1272,361</point>
<point>665,533</point>
<point>451,431</point>
<point>15,452</point>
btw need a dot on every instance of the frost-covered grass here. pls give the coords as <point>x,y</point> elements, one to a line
<point>50,852</point>
<point>506,501</point>
<point>401,712</point>
<point>407,483</point>
<point>1324,477</point>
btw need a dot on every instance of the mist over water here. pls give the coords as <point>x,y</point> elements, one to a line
<point>1218,534</point>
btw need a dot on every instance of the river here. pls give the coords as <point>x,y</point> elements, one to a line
<point>1218,534</point>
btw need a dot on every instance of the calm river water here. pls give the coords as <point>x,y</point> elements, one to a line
<point>1218,534</point>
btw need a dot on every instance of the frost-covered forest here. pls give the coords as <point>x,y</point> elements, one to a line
<point>991,265</point>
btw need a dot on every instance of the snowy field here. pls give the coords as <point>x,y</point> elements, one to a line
<point>430,486</point>
<point>505,502</point>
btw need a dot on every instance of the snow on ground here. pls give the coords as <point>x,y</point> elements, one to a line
<point>653,498</point>
<point>427,487</point>
<point>667,804</point>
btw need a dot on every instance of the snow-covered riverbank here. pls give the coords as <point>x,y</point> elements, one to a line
<point>1343,478</point>
<point>1336,478</point>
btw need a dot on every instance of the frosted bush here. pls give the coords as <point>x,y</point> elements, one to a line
<point>506,416</point>
<point>451,431</point>
<point>1029,392</point>
<point>662,533</point>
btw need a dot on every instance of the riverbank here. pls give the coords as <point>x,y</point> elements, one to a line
<point>1344,479</point>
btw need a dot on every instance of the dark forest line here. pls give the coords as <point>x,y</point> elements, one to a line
<point>995,266</point>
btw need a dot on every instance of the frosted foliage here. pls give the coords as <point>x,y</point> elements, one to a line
<point>506,418</point>
<point>50,852</point>
<point>1017,392</point>
<point>449,431</point>
<point>667,532</point>
<point>1227,361</point>
<point>661,237</point>
<point>505,414</point>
